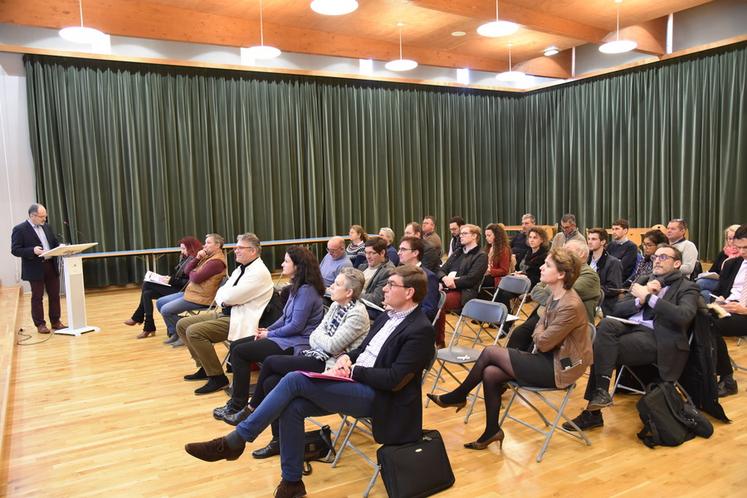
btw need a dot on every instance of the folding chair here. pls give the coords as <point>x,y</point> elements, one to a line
<point>514,284</point>
<point>486,313</point>
<point>441,302</point>
<point>550,427</point>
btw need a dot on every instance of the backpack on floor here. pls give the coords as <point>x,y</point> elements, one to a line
<point>317,447</point>
<point>669,417</point>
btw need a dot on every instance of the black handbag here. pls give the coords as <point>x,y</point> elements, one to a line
<point>669,417</point>
<point>416,469</point>
<point>317,447</point>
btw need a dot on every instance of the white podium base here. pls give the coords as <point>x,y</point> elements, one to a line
<point>77,332</point>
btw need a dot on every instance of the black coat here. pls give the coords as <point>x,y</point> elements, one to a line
<point>22,243</point>
<point>534,262</point>
<point>673,316</point>
<point>726,277</point>
<point>397,416</point>
<point>470,269</point>
<point>627,253</point>
<point>609,270</point>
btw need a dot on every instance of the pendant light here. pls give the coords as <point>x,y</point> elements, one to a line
<point>262,51</point>
<point>497,28</point>
<point>618,46</point>
<point>401,64</point>
<point>510,75</point>
<point>334,7</point>
<point>82,34</point>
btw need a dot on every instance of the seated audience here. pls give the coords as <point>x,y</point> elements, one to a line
<point>586,286</point>
<point>429,232</point>
<point>519,245</point>
<point>651,240</point>
<point>391,252</point>
<point>341,330</point>
<point>732,297</point>
<point>242,300</point>
<point>455,224</point>
<point>461,276</point>
<point>188,246</point>
<point>623,248</point>
<point>376,272</point>
<point>334,261</point>
<point>530,265</point>
<point>569,231</point>
<point>289,335</point>
<point>387,367</point>
<point>357,246</point>
<point>607,266</point>
<point>676,234</point>
<point>205,272</point>
<point>431,255</point>
<point>411,250</point>
<point>561,334</point>
<point>499,255</point>
<point>663,306</point>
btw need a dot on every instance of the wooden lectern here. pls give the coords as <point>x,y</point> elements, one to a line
<point>75,295</point>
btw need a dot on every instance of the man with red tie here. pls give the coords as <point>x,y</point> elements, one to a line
<point>28,241</point>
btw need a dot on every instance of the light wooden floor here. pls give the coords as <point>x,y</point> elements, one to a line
<point>108,415</point>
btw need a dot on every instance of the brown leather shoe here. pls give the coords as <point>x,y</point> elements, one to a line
<point>130,322</point>
<point>290,489</point>
<point>42,329</point>
<point>58,326</point>
<point>212,451</point>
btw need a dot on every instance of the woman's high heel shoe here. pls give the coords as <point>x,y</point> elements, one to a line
<point>146,333</point>
<point>436,398</point>
<point>481,445</point>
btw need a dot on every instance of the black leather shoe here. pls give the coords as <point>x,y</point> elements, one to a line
<point>600,399</point>
<point>727,387</point>
<point>290,489</point>
<point>212,451</point>
<point>198,375</point>
<point>236,417</point>
<point>214,383</point>
<point>221,411</point>
<point>586,420</point>
<point>272,449</point>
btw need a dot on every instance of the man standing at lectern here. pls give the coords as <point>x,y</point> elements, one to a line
<point>29,240</point>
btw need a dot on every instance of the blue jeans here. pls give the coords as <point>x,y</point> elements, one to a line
<point>707,286</point>
<point>295,398</point>
<point>171,306</point>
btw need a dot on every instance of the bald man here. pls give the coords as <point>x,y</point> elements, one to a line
<point>334,260</point>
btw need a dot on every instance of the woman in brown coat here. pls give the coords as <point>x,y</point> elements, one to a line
<point>562,350</point>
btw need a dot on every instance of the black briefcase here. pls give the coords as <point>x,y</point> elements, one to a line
<point>416,469</point>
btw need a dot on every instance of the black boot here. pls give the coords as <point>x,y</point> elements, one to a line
<point>214,383</point>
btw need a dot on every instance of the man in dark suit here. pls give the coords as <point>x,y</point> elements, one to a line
<point>431,255</point>
<point>30,239</point>
<point>607,267</point>
<point>732,296</point>
<point>663,306</point>
<point>411,253</point>
<point>386,369</point>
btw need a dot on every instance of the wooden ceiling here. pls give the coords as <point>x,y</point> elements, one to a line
<point>371,31</point>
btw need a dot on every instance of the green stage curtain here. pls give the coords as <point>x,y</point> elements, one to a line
<point>136,156</point>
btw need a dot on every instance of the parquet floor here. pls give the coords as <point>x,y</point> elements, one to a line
<point>108,415</point>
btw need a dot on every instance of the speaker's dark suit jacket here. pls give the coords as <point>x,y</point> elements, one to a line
<point>22,243</point>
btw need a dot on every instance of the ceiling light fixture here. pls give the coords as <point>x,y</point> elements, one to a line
<point>497,28</point>
<point>510,76</point>
<point>262,51</point>
<point>550,51</point>
<point>334,7</point>
<point>458,33</point>
<point>82,34</point>
<point>400,64</point>
<point>618,46</point>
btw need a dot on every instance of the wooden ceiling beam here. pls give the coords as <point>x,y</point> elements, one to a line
<point>484,10</point>
<point>143,19</point>
<point>557,66</point>
<point>651,36</point>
